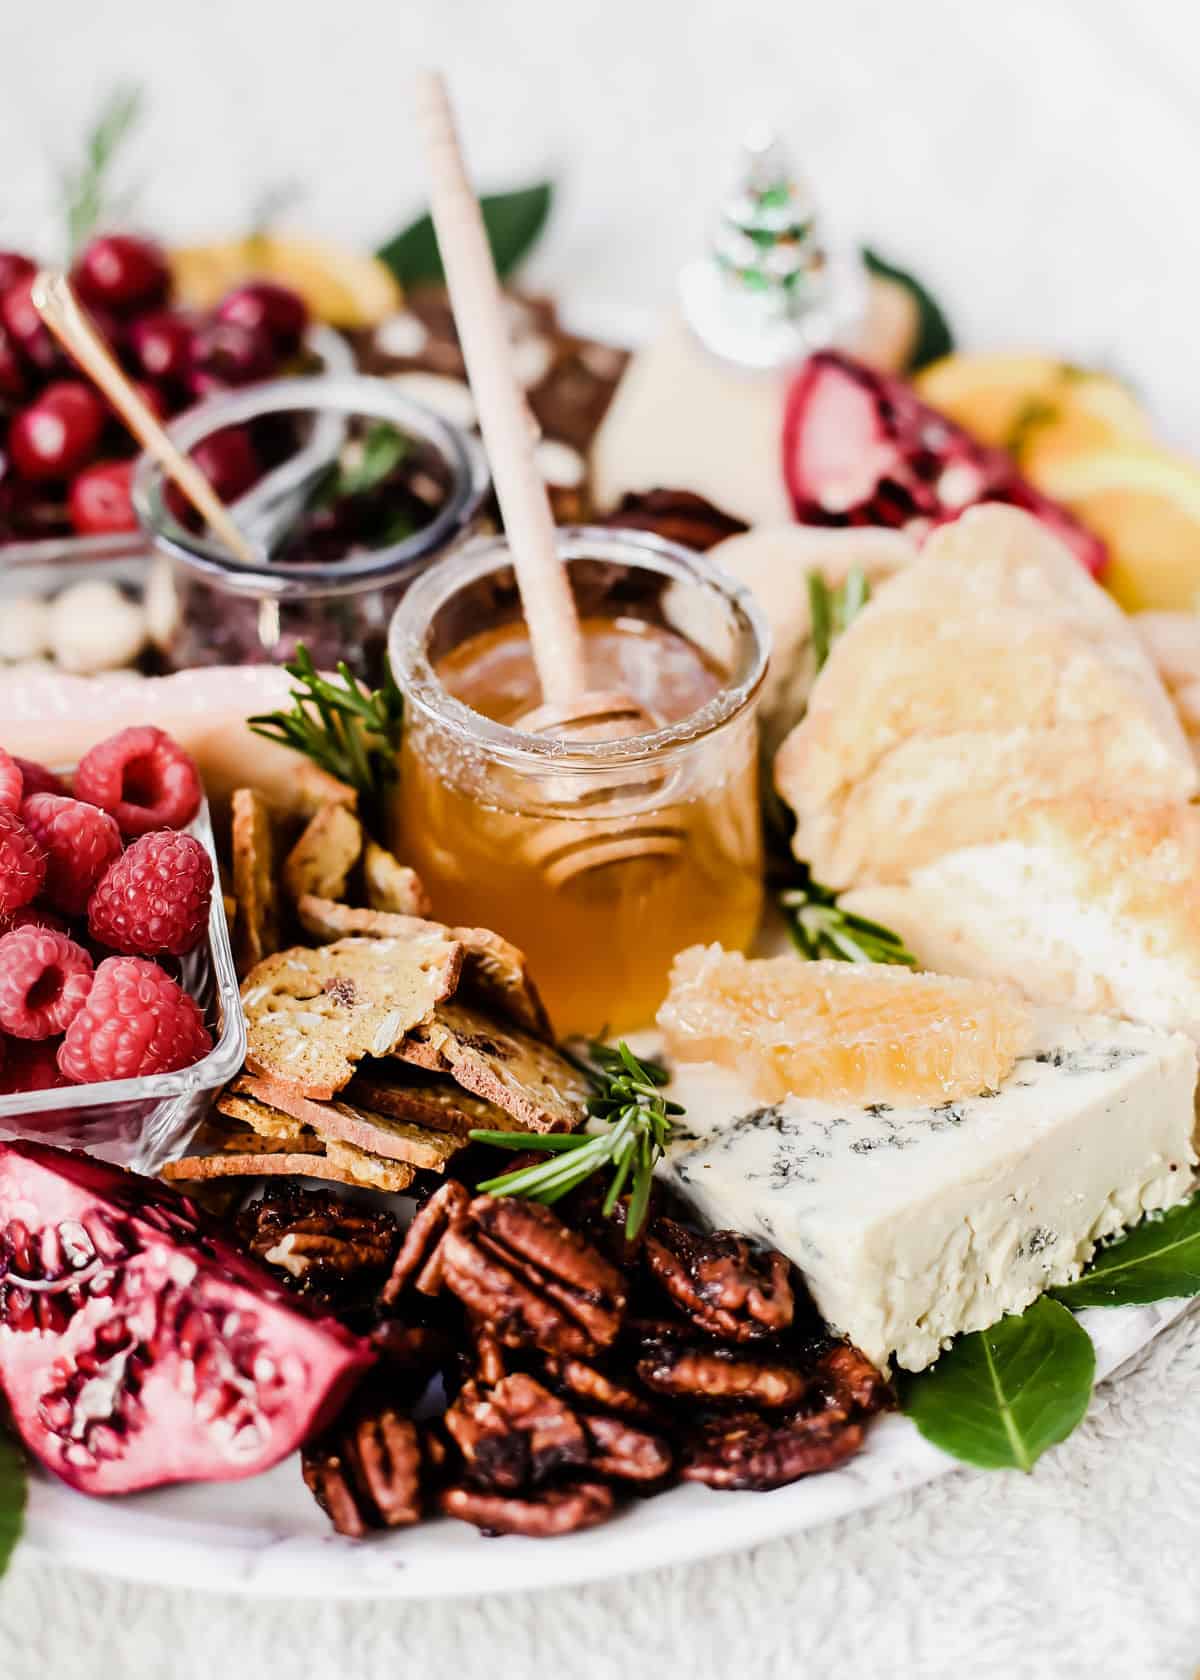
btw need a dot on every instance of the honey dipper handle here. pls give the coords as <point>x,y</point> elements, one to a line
<point>509,430</point>
<point>55,301</point>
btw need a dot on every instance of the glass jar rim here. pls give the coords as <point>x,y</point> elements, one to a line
<point>362,394</point>
<point>416,677</point>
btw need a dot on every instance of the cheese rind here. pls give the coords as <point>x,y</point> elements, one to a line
<point>912,1225</point>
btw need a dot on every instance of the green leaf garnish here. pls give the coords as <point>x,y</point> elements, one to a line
<point>820,928</point>
<point>627,1096</point>
<point>1159,1259</point>
<point>346,729</point>
<point>14,1482</point>
<point>1000,1397</point>
<point>86,190</point>
<point>831,610</point>
<point>934,336</point>
<point>368,462</point>
<point>514,222</point>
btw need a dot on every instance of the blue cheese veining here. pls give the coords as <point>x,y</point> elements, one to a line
<point>914,1224</point>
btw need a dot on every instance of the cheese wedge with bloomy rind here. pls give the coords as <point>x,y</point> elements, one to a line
<point>912,1225</point>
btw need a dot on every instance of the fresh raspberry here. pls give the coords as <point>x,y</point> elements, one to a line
<point>38,779</point>
<point>154,900</point>
<point>79,842</point>
<point>136,1021</point>
<point>141,777</point>
<point>31,917</point>
<point>44,982</point>
<point>22,864</point>
<point>31,1065</point>
<point>12,783</point>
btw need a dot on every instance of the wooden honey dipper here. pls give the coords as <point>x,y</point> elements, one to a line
<point>570,711</point>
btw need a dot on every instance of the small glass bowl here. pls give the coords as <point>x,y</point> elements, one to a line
<point>234,613</point>
<point>142,1123</point>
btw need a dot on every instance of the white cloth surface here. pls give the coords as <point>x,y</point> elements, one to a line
<point>1035,162</point>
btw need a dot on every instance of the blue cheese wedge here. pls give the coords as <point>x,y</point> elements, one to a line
<point>912,1225</point>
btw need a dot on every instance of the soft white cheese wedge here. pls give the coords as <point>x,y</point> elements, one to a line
<point>914,1224</point>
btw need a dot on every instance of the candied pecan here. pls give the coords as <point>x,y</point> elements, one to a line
<point>744,1450</point>
<point>625,1453</point>
<point>595,1387</point>
<point>721,1281</point>
<point>515,1435</point>
<point>320,1243</point>
<point>538,1284</point>
<point>419,1257</point>
<point>554,1510</point>
<point>850,1382</point>
<point>678,515</point>
<point>715,1373</point>
<point>366,1472</point>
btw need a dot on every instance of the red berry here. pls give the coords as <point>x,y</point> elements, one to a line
<point>122,273</point>
<point>31,917</point>
<point>44,982</point>
<point>141,777</point>
<point>31,334</point>
<point>22,864</point>
<point>136,1021</point>
<point>31,1064</point>
<point>55,435</point>
<point>12,368</point>
<point>37,779</point>
<point>154,899</point>
<point>225,353</point>
<point>162,346</point>
<point>15,266</point>
<point>229,461</point>
<point>79,841</point>
<point>265,307</point>
<point>12,782</point>
<point>100,498</point>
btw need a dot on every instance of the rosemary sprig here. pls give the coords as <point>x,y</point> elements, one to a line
<point>348,730</point>
<point>627,1096</point>
<point>831,610</point>
<point>86,190</point>
<point>819,927</point>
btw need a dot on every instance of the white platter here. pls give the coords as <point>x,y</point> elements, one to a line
<point>267,1536</point>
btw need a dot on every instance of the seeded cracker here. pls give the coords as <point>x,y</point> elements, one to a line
<point>392,885</point>
<point>495,973</point>
<point>321,860</point>
<point>229,1149</point>
<point>436,1103</point>
<point>529,1080</point>
<point>257,927</point>
<point>344,1122</point>
<point>312,1015</point>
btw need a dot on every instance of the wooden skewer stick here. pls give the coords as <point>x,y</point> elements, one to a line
<point>55,301</point>
<point>509,429</point>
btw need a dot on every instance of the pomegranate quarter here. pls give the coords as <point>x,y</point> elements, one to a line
<point>138,1348</point>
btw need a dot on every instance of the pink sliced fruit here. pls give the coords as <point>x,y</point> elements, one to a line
<point>137,1346</point>
<point>861,448</point>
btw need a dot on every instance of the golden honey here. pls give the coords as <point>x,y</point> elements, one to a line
<point>600,861</point>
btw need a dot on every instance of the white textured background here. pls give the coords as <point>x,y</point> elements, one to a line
<point>1036,161</point>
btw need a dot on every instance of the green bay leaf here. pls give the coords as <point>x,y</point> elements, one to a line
<point>1000,1397</point>
<point>514,222</point>
<point>13,1490</point>
<point>1160,1258</point>
<point>934,336</point>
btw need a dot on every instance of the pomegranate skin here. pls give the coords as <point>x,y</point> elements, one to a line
<point>861,448</point>
<point>145,1348</point>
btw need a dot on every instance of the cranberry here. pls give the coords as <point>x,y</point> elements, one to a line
<point>100,498</point>
<point>21,320</point>
<point>14,267</point>
<point>54,436</point>
<point>122,273</point>
<point>228,461</point>
<point>12,368</point>
<point>226,353</point>
<point>162,346</point>
<point>276,310</point>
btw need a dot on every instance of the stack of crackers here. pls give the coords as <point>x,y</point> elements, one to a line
<point>377,1038</point>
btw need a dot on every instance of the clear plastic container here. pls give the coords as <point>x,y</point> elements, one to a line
<point>141,1123</point>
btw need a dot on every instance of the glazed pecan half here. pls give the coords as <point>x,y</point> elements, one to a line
<point>322,1245</point>
<point>721,1281</point>
<point>517,1267</point>
<point>419,1259</point>
<point>554,1510</point>
<point>707,1374</point>
<point>366,1472</point>
<point>625,1453</point>
<point>514,1435</point>
<point>744,1450</point>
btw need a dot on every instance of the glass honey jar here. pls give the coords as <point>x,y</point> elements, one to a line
<point>601,858</point>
